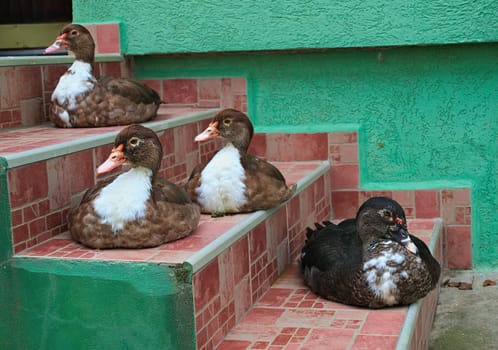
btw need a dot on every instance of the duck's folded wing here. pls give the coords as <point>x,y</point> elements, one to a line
<point>259,166</point>
<point>164,190</point>
<point>133,90</point>
<point>94,191</point>
<point>329,248</point>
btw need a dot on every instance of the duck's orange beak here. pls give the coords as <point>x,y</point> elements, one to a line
<point>115,160</point>
<point>59,44</point>
<point>210,133</point>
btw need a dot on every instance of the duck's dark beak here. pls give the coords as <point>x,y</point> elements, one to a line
<point>402,236</point>
<point>116,159</point>
<point>60,43</point>
<point>210,133</point>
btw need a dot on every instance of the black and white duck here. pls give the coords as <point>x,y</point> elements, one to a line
<point>370,261</point>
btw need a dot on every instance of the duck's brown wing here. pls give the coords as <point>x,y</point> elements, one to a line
<point>164,190</point>
<point>265,184</point>
<point>94,191</point>
<point>133,90</point>
<point>194,181</point>
<point>257,165</point>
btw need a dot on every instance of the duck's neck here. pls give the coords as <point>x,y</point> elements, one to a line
<point>82,69</point>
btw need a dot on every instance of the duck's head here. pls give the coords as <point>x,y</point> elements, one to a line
<point>136,146</point>
<point>380,219</point>
<point>77,39</point>
<point>232,125</point>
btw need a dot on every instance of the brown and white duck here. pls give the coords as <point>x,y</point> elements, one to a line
<point>370,261</point>
<point>80,100</point>
<point>234,181</point>
<point>135,209</point>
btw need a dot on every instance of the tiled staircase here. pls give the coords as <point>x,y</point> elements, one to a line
<point>234,279</point>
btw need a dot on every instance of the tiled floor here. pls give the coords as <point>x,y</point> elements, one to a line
<point>46,134</point>
<point>290,317</point>
<point>62,246</point>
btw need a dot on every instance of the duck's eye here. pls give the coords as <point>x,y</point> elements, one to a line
<point>134,141</point>
<point>74,32</point>
<point>227,122</point>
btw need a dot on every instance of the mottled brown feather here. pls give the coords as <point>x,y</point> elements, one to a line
<point>170,214</point>
<point>265,185</point>
<point>112,101</point>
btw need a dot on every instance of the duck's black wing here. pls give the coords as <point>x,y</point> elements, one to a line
<point>330,261</point>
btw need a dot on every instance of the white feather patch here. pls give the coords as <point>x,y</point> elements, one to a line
<point>76,81</point>
<point>222,186</point>
<point>124,199</point>
<point>380,275</point>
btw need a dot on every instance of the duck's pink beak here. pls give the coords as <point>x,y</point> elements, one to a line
<point>59,44</point>
<point>210,133</point>
<point>115,160</point>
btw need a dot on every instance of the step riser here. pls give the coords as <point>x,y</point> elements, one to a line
<point>227,287</point>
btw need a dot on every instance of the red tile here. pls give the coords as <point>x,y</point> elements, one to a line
<point>344,176</point>
<point>52,74</point>
<point>282,339</point>
<point>28,82</point>
<point>240,259</point>
<point>427,204</point>
<point>9,97</point>
<point>404,198</point>
<point>206,284</point>
<point>311,318</point>
<point>235,345</point>
<point>263,316</point>
<point>81,169</point>
<point>276,227</point>
<point>108,38</point>
<point>343,154</point>
<point>242,298</point>
<point>28,183</point>
<point>342,137</point>
<point>384,322</point>
<point>297,147</point>
<point>184,138</point>
<point>112,69</point>
<point>258,145</point>
<point>257,241</point>
<point>59,182</point>
<point>371,342</point>
<point>20,234</point>
<point>275,297</point>
<point>180,91</point>
<point>16,217</point>
<point>459,247</point>
<point>345,204</point>
<point>209,89</point>
<point>328,339</point>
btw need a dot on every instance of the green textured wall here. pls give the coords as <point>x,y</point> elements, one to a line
<point>60,305</point>
<point>428,116</point>
<point>219,25</point>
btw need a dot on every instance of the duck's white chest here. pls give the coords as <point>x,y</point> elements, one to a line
<point>222,186</point>
<point>124,199</point>
<point>76,81</point>
<point>383,273</point>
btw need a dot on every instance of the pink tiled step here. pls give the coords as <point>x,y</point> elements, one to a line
<point>209,230</point>
<point>290,317</point>
<point>234,259</point>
